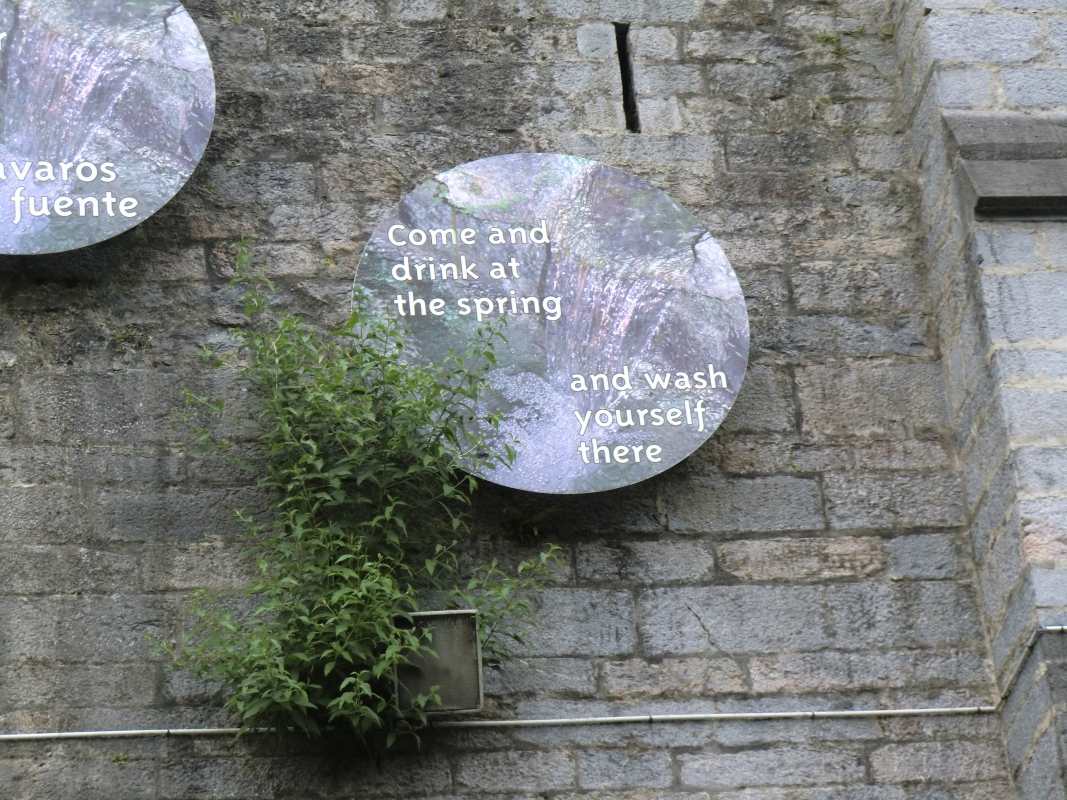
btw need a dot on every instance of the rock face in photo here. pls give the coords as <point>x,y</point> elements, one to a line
<point>628,287</point>
<point>107,109</point>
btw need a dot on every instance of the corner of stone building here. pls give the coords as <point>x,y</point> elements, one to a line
<point>988,81</point>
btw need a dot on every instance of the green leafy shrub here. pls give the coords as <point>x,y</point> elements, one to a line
<point>361,455</point>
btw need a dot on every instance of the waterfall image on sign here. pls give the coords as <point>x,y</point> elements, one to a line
<point>627,332</point>
<point>107,107</point>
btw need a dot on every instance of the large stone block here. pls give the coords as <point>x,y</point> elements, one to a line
<point>1004,245</point>
<point>672,677</point>
<point>654,43</point>
<point>617,769</point>
<point>878,399</point>
<point>174,514</point>
<point>814,336</point>
<point>1041,776</point>
<point>924,556</point>
<point>49,569</point>
<point>667,80</point>
<point>1026,721</point>
<point>894,501</point>
<point>708,505</point>
<point>765,402</point>
<point>730,620</point>
<point>880,615</point>
<point>231,42</point>
<point>1035,87</point>
<point>796,766</point>
<point>570,676</point>
<point>29,779</point>
<point>937,761</point>
<point>749,457</point>
<point>827,286</point>
<point>261,182</point>
<point>83,629</point>
<point>1041,470</point>
<point>583,622</point>
<point>1034,414</point>
<point>1044,528</point>
<point>517,771</point>
<point>802,732</point>
<point>982,37</point>
<point>1022,307</point>
<point>35,514</point>
<point>856,672</point>
<point>419,10</point>
<point>640,736</point>
<point>213,777</point>
<point>211,564</point>
<point>596,40</point>
<point>964,87</point>
<point>787,152</point>
<point>1050,588</point>
<point>661,561</point>
<point>400,776</point>
<point>51,687</point>
<point>836,793</point>
<point>131,406</point>
<point>803,560</point>
<point>718,46</point>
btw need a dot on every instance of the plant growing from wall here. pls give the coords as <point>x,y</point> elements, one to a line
<point>361,456</point>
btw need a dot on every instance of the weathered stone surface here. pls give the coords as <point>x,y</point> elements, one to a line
<point>765,402</point>
<point>804,560</point>
<point>893,501</point>
<point>615,769</point>
<point>705,505</point>
<point>794,767</point>
<point>826,286</point>
<point>732,619</point>
<point>583,622</point>
<point>870,400</point>
<point>664,561</point>
<point>524,770</point>
<point>828,672</point>
<point>673,677</point>
<point>813,554</point>
<point>42,569</point>
<point>938,761</point>
<point>982,37</point>
<point>923,556</point>
<point>654,43</point>
<point>596,40</point>
<point>542,676</point>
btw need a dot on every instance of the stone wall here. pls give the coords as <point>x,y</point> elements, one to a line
<point>1000,292</point>
<point>817,553</point>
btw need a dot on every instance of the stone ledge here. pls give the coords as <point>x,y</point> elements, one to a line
<point>1015,164</point>
<point>1008,135</point>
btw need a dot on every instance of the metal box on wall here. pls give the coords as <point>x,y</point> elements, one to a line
<point>457,669</point>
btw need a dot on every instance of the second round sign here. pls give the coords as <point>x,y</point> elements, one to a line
<point>627,334</point>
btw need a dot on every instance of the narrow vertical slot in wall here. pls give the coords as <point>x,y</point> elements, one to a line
<point>626,69</point>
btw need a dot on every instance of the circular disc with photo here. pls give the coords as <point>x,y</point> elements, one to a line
<point>106,108</point>
<point>627,333</point>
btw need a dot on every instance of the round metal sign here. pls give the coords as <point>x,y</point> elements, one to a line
<point>106,110</point>
<point>627,333</point>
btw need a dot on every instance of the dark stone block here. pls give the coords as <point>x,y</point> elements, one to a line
<point>1019,189</point>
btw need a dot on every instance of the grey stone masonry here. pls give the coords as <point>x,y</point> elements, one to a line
<point>985,84</point>
<point>878,524</point>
